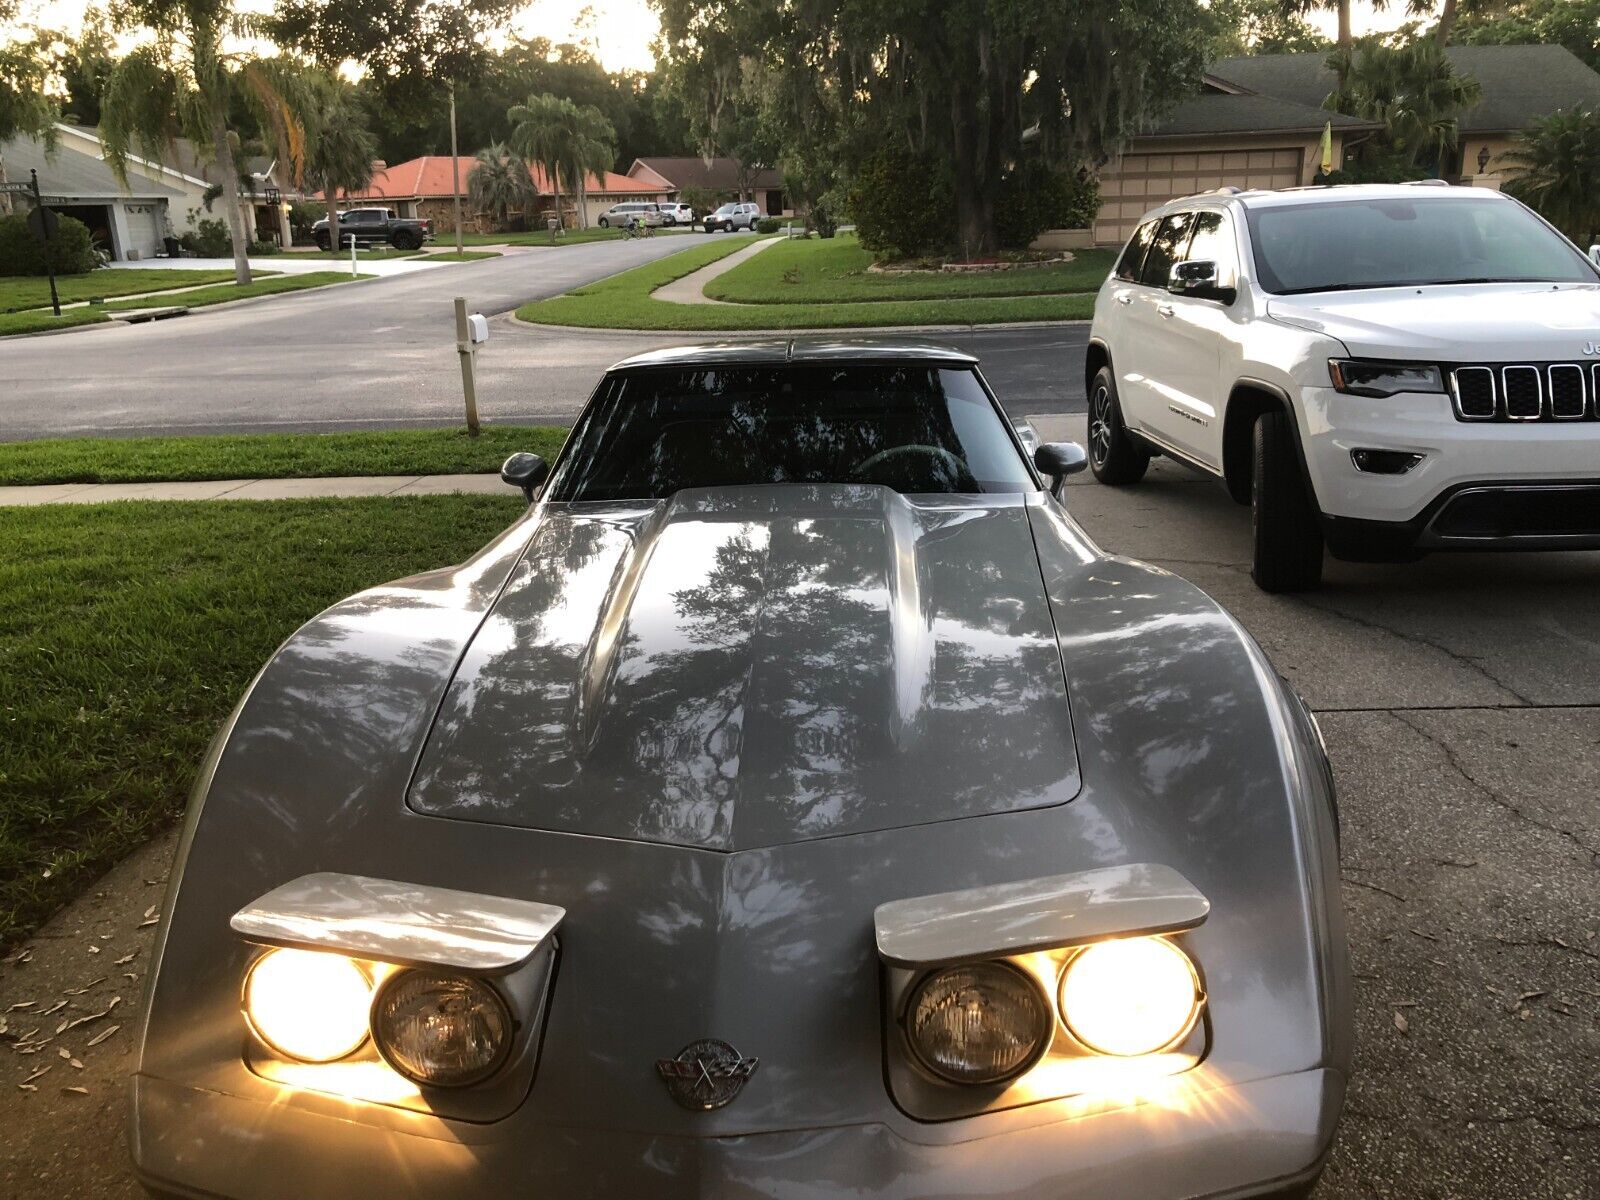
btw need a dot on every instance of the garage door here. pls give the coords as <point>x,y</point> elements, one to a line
<point>143,223</point>
<point>1136,183</point>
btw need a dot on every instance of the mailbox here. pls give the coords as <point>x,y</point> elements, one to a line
<point>477,328</point>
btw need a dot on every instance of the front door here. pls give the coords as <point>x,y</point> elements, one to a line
<point>1147,360</point>
<point>1193,332</point>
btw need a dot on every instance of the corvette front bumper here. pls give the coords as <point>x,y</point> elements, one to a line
<point>1246,1140</point>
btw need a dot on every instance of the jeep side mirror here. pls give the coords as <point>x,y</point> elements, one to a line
<point>1056,460</point>
<point>525,471</point>
<point>1198,277</point>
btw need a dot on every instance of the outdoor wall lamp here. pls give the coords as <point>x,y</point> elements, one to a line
<point>1483,160</point>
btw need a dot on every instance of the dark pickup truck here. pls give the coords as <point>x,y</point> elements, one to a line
<point>375,226</point>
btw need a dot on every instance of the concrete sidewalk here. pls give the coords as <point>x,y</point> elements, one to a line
<point>253,489</point>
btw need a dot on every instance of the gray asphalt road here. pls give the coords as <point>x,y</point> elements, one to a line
<point>381,354</point>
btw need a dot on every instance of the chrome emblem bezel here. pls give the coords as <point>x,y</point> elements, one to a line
<point>706,1074</point>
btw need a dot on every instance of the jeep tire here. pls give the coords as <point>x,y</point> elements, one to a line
<point>1287,539</point>
<point>1114,456</point>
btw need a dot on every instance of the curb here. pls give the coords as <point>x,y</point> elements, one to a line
<point>837,330</point>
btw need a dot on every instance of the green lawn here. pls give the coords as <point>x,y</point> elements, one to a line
<point>18,292</point>
<point>223,292</point>
<point>118,663</point>
<point>835,270</point>
<point>362,254</point>
<point>464,256</point>
<point>624,302</point>
<point>38,320</point>
<point>270,456</point>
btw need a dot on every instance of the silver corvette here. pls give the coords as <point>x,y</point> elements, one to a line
<point>794,802</point>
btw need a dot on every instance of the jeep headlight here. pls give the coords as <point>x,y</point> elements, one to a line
<point>1357,377</point>
<point>1129,997</point>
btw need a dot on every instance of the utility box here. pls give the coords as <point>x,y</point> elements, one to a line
<point>477,328</point>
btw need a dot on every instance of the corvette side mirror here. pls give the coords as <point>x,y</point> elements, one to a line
<point>525,471</point>
<point>1594,254</point>
<point>1056,460</point>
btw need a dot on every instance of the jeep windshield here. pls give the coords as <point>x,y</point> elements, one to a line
<point>1348,245</point>
<point>913,427</point>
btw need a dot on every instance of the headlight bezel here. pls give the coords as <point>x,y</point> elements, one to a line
<point>1378,379</point>
<point>489,1070</point>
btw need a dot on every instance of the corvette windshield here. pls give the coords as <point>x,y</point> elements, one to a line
<point>912,427</point>
<point>1372,243</point>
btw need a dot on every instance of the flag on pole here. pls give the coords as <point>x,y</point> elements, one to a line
<point>1327,148</point>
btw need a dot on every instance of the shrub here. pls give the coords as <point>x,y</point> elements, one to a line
<point>209,238</point>
<point>768,224</point>
<point>302,216</point>
<point>1036,197</point>
<point>262,249</point>
<point>892,218</point>
<point>71,252</point>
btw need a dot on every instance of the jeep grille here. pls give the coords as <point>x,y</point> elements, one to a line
<point>1526,392</point>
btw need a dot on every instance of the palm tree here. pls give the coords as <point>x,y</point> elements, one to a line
<point>1555,168</point>
<point>501,183</point>
<point>1414,90</point>
<point>340,149</point>
<point>184,82</point>
<point>594,152</point>
<point>542,132</point>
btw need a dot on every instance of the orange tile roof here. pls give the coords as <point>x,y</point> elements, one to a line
<point>430,176</point>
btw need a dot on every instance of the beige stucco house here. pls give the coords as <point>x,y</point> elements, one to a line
<point>723,176</point>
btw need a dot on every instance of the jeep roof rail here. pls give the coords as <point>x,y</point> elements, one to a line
<point>1426,183</point>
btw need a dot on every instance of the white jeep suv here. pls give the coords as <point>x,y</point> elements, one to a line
<point>1384,369</point>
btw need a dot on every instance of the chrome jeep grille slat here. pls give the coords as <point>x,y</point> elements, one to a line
<point>1566,391</point>
<point>1524,392</point>
<point>1560,391</point>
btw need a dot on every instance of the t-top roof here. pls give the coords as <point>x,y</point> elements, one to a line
<point>774,352</point>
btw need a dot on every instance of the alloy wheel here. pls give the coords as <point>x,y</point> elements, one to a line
<point>1100,424</point>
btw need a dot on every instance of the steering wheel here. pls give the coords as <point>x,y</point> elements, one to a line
<point>916,462</point>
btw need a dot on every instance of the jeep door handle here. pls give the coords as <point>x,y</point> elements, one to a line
<point>1164,309</point>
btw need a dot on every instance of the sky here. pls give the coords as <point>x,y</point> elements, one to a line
<point>620,31</point>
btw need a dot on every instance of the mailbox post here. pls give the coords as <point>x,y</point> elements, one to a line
<point>472,330</point>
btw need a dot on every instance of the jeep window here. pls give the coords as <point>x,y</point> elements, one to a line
<point>1164,250</point>
<point>1375,243</point>
<point>910,426</point>
<point>1212,241</point>
<point>1133,255</point>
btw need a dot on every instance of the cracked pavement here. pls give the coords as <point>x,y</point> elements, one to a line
<point>1460,699</point>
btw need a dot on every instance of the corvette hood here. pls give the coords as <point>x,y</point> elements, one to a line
<point>738,668</point>
<point>1463,323</point>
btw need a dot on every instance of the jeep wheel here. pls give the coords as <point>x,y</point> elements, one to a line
<point>1288,539</point>
<point>1114,457</point>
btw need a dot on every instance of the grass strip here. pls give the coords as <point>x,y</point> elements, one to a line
<point>224,292</point>
<point>835,271</point>
<point>18,293</point>
<point>40,320</point>
<point>270,456</point>
<point>362,255</point>
<point>624,302</point>
<point>464,256</point>
<point>118,663</point>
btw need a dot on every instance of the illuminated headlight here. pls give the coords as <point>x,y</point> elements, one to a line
<point>1355,377</point>
<point>980,1023</point>
<point>441,1030</point>
<point>308,1005</point>
<point>1134,996</point>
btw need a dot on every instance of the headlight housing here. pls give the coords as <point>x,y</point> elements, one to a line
<point>1129,997</point>
<point>440,1029</point>
<point>308,1005</point>
<point>979,1023</point>
<point>1358,377</point>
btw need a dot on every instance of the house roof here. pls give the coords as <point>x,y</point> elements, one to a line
<point>430,176</point>
<point>1519,82</point>
<point>713,174</point>
<point>1219,112</point>
<point>68,172</point>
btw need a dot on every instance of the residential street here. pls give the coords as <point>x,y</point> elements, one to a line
<point>382,353</point>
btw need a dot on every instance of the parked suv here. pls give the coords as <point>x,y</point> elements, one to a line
<point>1382,369</point>
<point>677,214</point>
<point>375,227</point>
<point>732,217</point>
<point>621,214</point>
